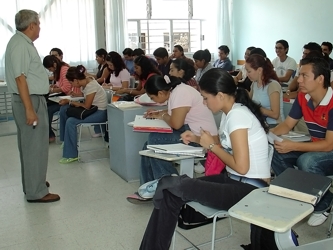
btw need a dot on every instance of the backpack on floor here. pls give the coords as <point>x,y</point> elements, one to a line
<point>189,218</point>
<point>263,239</point>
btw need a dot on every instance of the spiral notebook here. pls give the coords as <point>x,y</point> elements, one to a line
<point>178,149</point>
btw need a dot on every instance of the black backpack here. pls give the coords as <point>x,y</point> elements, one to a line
<point>263,239</point>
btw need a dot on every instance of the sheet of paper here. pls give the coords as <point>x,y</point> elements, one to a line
<point>273,137</point>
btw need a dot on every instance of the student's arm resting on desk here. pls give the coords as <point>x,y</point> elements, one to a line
<point>285,126</point>
<point>177,118</point>
<point>137,91</point>
<point>23,90</point>
<point>240,159</point>
<point>325,145</point>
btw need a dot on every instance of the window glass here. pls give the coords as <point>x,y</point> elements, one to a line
<point>136,9</point>
<point>170,9</point>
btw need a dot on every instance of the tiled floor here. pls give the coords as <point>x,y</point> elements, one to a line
<point>92,213</point>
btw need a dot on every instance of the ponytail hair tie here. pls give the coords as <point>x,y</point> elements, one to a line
<point>167,79</point>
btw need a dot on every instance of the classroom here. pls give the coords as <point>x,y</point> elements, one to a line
<point>94,211</point>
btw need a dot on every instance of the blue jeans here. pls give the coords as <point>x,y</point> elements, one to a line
<point>68,131</point>
<point>152,168</point>
<point>51,109</point>
<point>312,162</point>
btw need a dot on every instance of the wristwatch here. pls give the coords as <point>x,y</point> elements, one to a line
<point>210,147</point>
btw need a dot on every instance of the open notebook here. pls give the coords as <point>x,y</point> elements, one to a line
<point>178,149</point>
<point>142,124</point>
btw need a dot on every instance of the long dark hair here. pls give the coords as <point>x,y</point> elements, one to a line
<point>117,62</point>
<point>218,80</point>
<point>49,62</point>
<point>157,83</point>
<point>76,73</point>
<point>181,64</point>
<point>256,61</point>
<point>146,67</point>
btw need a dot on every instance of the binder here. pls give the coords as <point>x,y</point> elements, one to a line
<point>178,149</point>
<point>142,124</point>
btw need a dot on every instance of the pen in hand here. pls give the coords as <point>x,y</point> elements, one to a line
<point>34,124</point>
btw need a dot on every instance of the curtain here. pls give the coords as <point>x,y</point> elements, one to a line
<point>116,26</point>
<point>65,24</point>
<point>224,24</point>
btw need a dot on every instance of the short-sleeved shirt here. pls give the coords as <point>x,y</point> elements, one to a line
<point>21,57</point>
<point>281,68</point>
<point>261,96</point>
<point>318,119</point>
<point>116,81</point>
<point>100,97</point>
<point>223,64</point>
<point>201,71</point>
<point>199,115</point>
<point>240,117</point>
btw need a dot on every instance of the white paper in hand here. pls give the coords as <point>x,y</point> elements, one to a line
<point>273,137</point>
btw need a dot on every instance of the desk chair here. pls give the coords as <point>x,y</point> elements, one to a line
<point>209,213</point>
<point>56,124</point>
<point>331,214</point>
<point>109,95</point>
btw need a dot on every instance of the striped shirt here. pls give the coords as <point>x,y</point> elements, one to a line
<point>318,119</point>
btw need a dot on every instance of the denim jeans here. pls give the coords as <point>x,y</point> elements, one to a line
<point>312,162</point>
<point>68,131</point>
<point>216,191</point>
<point>152,168</point>
<point>51,109</point>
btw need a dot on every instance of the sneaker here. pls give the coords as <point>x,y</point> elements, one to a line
<point>148,189</point>
<point>96,135</point>
<point>137,199</point>
<point>68,160</point>
<point>317,219</point>
<point>199,168</point>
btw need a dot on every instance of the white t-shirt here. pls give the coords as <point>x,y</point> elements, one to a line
<point>199,115</point>
<point>100,97</point>
<point>240,117</point>
<point>282,67</point>
<point>124,76</point>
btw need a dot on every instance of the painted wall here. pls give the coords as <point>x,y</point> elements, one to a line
<point>261,23</point>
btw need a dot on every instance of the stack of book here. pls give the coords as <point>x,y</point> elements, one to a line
<point>299,185</point>
<point>142,124</point>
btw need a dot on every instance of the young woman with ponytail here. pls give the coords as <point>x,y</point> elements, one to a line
<point>265,88</point>
<point>186,111</point>
<point>244,150</point>
<point>93,94</point>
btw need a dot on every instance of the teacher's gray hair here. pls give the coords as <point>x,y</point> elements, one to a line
<point>24,18</point>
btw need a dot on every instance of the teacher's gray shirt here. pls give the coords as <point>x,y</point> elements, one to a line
<point>21,57</point>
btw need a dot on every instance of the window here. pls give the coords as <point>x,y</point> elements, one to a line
<point>167,23</point>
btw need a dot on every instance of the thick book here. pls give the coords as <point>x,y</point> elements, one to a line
<point>300,185</point>
<point>142,124</point>
<point>178,149</point>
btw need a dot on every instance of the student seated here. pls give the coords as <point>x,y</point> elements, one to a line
<point>314,103</point>
<point>265,88</point>
<point>62,85</point>
<point>178,53</point>
<point>143,70</point>
<point>223,62</point>
<point>95,95</point>
<point>284,65</point>
<point>202,63</point>
<point>128,60</point>
<point>162,57</point>
<point>241,76</point>
<point>244,149</point>
<point>183,70</point>
<point>139,52</point>
<point>120,77</point>
<point>186,111</point>
<point>103,72</point>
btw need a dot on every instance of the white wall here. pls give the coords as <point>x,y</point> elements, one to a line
<point>261,23</point>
